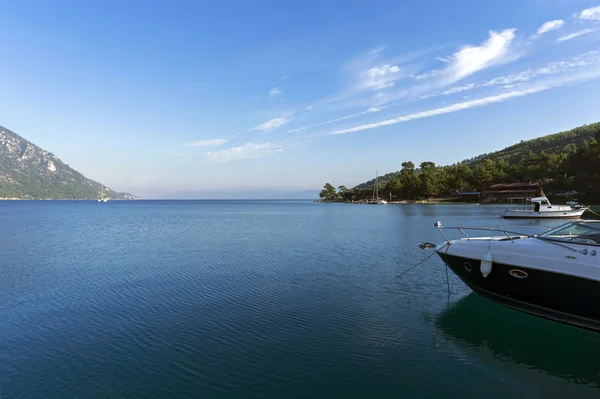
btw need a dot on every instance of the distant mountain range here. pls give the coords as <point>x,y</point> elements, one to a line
<point>29,172</point>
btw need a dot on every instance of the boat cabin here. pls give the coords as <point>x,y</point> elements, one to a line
<point>538,202</point>
<point>541,204</point>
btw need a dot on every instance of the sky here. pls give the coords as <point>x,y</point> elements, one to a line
<point>231,99</point>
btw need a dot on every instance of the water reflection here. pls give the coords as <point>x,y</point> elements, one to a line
<point>548,355</point>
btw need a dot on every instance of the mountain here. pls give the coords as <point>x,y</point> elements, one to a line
<point>29,172</point>
<point>550,144</point>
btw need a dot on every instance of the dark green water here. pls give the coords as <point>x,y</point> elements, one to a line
<point>202,299</point>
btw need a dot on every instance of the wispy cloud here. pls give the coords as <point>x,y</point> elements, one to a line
<point>586,59</point>
<point>272,124</point>
<point>427,74</point>
<point>557,67</point>
<point>440,111</point>
<point>577,34</point>
<point>446,60</point>
<point>594,74</point>
<point>274,92</point>
<point>371,72</point>
<point>382,77</point>
<point>590,14</point>
<point>496,50</point>
<point>206,143</point>
<point>549,26</point>
<point>452,90</point>
<point>246,151</point>
<point>471,59</point>
<point>343,118</point>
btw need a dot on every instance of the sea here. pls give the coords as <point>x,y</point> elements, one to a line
<point>263,299</point>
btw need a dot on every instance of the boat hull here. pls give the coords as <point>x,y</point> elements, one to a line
<point>567,299</point>
<point>520,214</point>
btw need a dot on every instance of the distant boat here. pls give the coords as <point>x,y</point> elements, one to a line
<point>541,208</point>
<point>376,200</point>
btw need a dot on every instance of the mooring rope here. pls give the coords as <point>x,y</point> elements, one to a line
<point>421,262</point>
<point>595,213</point>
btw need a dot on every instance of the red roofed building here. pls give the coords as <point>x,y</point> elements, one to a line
<point>511,190</point>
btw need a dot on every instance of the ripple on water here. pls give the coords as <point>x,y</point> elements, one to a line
<point>253,299</point>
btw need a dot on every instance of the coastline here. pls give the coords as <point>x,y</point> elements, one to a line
<point>594,207</point>
<point>67,199</point>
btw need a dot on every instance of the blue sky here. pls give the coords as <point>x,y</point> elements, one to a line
<point>190,99</point>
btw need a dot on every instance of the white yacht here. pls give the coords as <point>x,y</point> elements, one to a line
<point>555,274</point>
<point>540,207</point>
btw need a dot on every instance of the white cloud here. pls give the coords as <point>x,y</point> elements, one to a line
<point>508,81</point>
<point>458,89</point>
<point>446,60</point>
<point>589,58</point>
<point>549,26</point>
<point>426,75</point>
<point>439,111</point>
<point>576,34</point>
<point>272,124</point>
<point>471,59</point>
<point>361,62</point>
<point>593,74</point>
<point>206,143</point>
<point>366,73</point>
<point>590,14</point>
<point>274,92</point>
<point>246,151</point>
<point>495,50</point>
<point>381,77</point>
<point>342,118</point>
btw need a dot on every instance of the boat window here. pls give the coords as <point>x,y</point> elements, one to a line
<point>537,206</point>
<point>580,233</point>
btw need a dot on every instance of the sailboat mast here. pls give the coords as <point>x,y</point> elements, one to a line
<point>376,184</point>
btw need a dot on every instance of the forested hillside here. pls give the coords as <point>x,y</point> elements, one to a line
<point>562,161</point>
<point>29,172</point>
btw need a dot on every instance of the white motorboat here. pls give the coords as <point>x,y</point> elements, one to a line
<point>555,274</point>
<point>541,208</point>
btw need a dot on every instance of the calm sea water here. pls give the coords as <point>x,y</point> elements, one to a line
<point>156,299</point>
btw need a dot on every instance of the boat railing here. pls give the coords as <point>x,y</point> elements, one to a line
<point>498,229</point>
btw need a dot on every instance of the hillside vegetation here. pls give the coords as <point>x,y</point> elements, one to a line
<point>29,172</point>
<point>563,161</point>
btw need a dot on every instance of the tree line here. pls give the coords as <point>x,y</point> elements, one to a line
<point>560,162</point>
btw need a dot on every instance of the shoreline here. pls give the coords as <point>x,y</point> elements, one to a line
<point>66,199</point>
<point>425,202</point>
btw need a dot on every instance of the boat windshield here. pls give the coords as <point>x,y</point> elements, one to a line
<point>587,233</point>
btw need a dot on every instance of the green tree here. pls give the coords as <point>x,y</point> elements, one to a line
<point>328,192</point>
<point>409,180</point>
<point>430,185</point>
<point>394,186</point>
